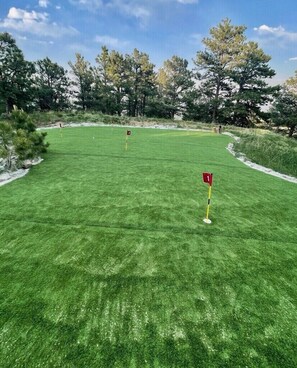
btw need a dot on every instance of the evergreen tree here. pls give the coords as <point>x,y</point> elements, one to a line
<point>20,140</point>
<point>83,81</point>
<point>15,75</point>
<point>234,76</point>
<point>104,99</point>
<point>291,84</point>
<point>141,77</point>
<point>284,108</point>
<point>117,74</point>
<point>52,85</point>
<point>174,81</point>
<point>222,54</point>
<point>6,147</point>
<point>28,142</point>
<point>251,90</point>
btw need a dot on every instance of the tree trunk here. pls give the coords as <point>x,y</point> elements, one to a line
<point>9,105</point>
<point>216,100</point>
<point>119,101</point>
<point>291,130</point>
<point>135,105</point>
<point>143,105</point>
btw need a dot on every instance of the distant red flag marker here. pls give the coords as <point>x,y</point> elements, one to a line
<point>207,178</point>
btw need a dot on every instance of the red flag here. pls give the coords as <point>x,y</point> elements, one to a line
<point>128,132</point>
<point>207,178</point>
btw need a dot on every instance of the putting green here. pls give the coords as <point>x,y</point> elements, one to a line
<point>106,262</point>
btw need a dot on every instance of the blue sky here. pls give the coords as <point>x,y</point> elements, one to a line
<point>162,28</point>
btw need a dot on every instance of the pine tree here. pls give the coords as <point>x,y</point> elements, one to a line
<point>83,82</point>
<point>52,85</point>
<point>103,97</point>
<point>284,108</point>
<point>15,75</point>
<point>117,74</point>
<point>175,81</point>
<point>141,77</point>
<point>222,54</point>
<point>251,90</point>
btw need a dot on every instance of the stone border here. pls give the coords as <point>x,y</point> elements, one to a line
<point>89,124</point>
<point>7,177</point>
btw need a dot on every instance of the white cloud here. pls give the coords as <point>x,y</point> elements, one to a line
<point>276,32</point>
<point>44,43</point>
<point>110,41</point>
<point>23,38</point>
<point>132,8</point>
<point>91,5</point>
<point>196,38</point>
<point>187,1</point>
<point>293,58</point>
<point>43,3</point>
<point>78,48</point>
<point>142,10</point>
<point>33,22</point>
<point>20,14</point>
<point>33,40</point>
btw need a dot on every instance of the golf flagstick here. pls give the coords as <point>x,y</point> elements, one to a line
<point>127,134</point>
<point>61,133</point>
<point>207,178</point>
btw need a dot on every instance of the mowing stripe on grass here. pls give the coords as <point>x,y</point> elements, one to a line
<point>105,260</point>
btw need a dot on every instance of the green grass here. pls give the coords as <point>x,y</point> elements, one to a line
<point>270,150</point>
<point>105,260</point>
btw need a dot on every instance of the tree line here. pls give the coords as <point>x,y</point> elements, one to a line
<point>228,84</point>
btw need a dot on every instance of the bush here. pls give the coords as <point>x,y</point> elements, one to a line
<point>21,120</point>
<point>270,150</point>
<point>20,140</point>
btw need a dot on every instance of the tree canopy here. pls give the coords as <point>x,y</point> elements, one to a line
<point>284,108</point>
<point>15,74</point>
<point>228,85</point>
<point>52,85</point>
<point>233,76</point>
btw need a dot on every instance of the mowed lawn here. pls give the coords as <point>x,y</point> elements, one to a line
<point>106,262</point>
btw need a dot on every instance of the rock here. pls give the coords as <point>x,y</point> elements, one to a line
<point>4,177</point>
<point>26,164</point>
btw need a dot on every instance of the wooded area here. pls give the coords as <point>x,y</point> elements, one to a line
<point>228,84</point>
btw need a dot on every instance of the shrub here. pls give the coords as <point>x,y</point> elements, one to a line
<point>270,150</point>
